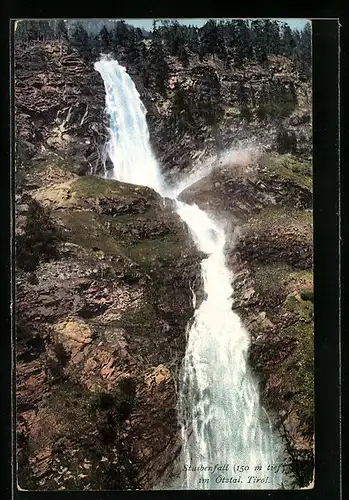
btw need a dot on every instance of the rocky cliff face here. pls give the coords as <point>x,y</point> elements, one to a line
<point>104,278</point>
<point>209,108</point>
<point>59,107</point>
<point>105,271</point>
<point>205,110</point>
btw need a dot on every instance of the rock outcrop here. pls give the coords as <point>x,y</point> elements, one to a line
<point>104,278</point>
<point>206,109</point>
<point>59,103</point>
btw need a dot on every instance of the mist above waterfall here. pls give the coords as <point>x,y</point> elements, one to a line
<point>238,158</point>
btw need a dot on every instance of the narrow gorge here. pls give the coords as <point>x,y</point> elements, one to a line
<point>164,289</point>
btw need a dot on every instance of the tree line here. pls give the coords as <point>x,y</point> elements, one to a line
<point>233,42</point>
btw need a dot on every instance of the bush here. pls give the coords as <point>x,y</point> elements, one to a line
<point>39,239</point>
<point>286,141</point>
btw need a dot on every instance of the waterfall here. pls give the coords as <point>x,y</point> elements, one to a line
<point>227,440</point>
<point>128,146</point>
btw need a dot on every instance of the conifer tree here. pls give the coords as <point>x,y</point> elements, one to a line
<point>288,42</point>
<point>259,40</point>
<point>305,50</point>
<point>243,100</point>
<point>61,30</point>
<point>105,40</point>
<point>144,64</point>
<point>158,61</point>
<point>80,41</point>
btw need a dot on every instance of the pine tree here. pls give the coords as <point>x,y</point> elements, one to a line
<point>131,48</point>
<point>288,43</point>
<point>243,100</point>
<point>22,31</point>
<point>144,64</point>
<point>138,35</point>
<point>263,104</point>
<point>211,39</point>
<point>33,30</point>
<point>105,40</point>
<point>120,33</point>
<point>305,50</point>
<point>96,47</point>
<point>183,56</point>
<point>274,33</point>
<point>80,41</point>
<point>244,45</point>
<point>158,61</point>
<point>193,39</point>
<point>259,40</point>
<point>45,30</point>
<point>61,31</point>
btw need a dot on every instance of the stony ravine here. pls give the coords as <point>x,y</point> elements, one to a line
<point>105,272</point>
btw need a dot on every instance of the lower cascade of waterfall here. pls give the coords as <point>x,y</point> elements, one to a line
<point>227,438</point>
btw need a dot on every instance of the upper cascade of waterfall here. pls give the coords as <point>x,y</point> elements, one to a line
<point>128,146</point>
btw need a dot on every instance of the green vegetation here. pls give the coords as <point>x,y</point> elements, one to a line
<point>304,277</point>
<point>276,101</point>
<point>47,168</point>
<point>281,218</point>
<point>288,167</point>
<point>299,368</point>
<point>307,293</point>
<point>150,254</point>
<point>49,159</point>
<point>92,230</point>
<point>39,238</point>
<point>88,230</point>
<point>144,316</point>
<point>270,279</point>
<point>303,309</point>
<point>281,286</point>
<point>91,186</point>
<point>273,281</point>
<point>234,42</point>
<point>304,280</point>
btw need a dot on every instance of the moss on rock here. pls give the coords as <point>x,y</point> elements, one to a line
<point>150,254</point>
<point>303,309</point>
<point>299,371</point>
<point>287,167</point>
<point>88,230</point>
<point>270,278</point>
<point>307,293</point>
<point>142,316</point>
<point>280,218</point>
<point>38,239</point>
<point>91,186</point>
<point>48,159</point>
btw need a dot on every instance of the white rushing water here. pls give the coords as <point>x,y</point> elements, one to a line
<point>128,147</point>
<point>223,424</point>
